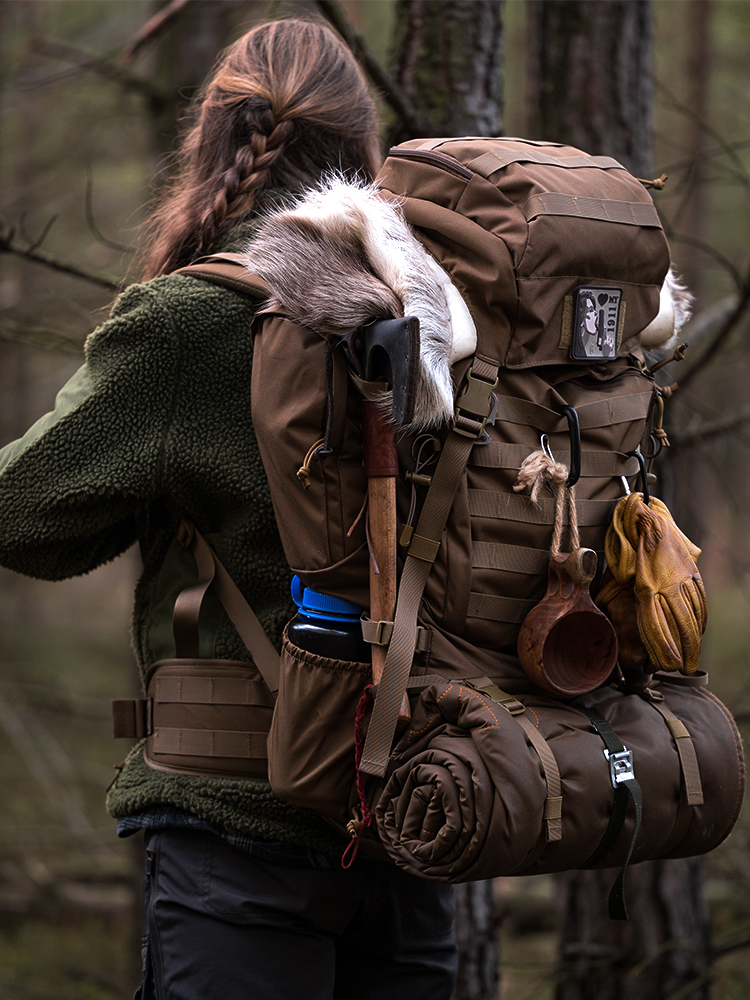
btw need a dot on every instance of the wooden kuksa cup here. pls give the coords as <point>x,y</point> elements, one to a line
<point>566,645</point>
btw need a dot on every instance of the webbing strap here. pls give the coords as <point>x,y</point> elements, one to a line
<point>512,507</point>
<point>691,774</point>
<point>379,634</point>
<point>472,409</point>
<point>691,787</point>
<point>594,464</point>
<point>187,607</point>
<point>497,159</point>
<point>511,558</point>
<point>492,608</point>
<point>210,743</point>
<point>211,691</point>
<point>630,787</point>
<point>629,213</point>
<point>515,708</point>
<point>228,269</point>
<point>242,616</point>
<point>597,413</point>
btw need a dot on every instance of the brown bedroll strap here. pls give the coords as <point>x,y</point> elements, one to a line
<point>242,616</point>
<point>228,269</point>
<point>691,774</point>
<point>553,802</point>
<point>472,409</point>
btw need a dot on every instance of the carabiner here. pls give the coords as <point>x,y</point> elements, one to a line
<point>644,478</point>
<point>574,429</point>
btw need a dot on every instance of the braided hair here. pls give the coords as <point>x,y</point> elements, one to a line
<point>286,102</point>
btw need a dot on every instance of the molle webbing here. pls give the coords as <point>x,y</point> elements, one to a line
<point>498,159</point>
<point>512,507</point>
<point>627,213</point>
<point>594,464</point>
<point>597,413</point>
<point>206,716</point>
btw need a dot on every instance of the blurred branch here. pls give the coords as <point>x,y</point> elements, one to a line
<point>90,219</point>
<point>39,336</point>
<point>733,942</point>
<point>708,431</point>
<point>724,146</point>
<point>105,66</point>
<point>392,93</point>
<point>722,335</point>
<point>710,251</point>
<point>9,244</point>
<point>152,28</point>
<point>55,791</point>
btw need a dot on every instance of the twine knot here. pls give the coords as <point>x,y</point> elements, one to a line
<point>538,468</point>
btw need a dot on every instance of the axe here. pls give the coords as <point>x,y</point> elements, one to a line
<point>386,350</point>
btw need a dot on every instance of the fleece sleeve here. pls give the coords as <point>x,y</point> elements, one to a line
<point>69,489</point>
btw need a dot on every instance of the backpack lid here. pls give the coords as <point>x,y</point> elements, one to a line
<point>527,231</point>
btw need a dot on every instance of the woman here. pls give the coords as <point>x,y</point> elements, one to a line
<point>245,895</point>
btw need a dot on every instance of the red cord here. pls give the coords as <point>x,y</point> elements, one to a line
<point>347,860</point>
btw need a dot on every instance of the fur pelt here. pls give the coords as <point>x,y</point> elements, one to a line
<point>341,255</point>
<point>662,335</point>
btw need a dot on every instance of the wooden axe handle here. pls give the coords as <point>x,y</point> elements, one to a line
<point>381,470</point>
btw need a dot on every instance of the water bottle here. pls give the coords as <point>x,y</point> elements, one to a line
<point>328,626</point>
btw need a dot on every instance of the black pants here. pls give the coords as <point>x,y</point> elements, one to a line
<point>222,923</point>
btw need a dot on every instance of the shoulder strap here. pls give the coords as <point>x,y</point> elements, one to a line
<point>472,410</point>
<point>188,605</point>
<point>228,269</point>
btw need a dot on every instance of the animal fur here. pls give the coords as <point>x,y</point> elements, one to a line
<point>662,335</point>
<point>342,255</point>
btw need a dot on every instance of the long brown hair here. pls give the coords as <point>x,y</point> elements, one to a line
<point>286,102</point>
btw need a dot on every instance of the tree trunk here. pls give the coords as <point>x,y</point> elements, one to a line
<point>476,933</point>
<point>447,59</point>
<point>661,952</point>
<point>590,65</point>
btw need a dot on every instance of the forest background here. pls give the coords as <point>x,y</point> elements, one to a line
<point>88,113</point>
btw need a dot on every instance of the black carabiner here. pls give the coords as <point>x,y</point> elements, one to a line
<point>575,444</point>
<point>644,479</point>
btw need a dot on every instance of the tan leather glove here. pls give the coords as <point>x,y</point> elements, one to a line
<point>618,602</point>
<point>647,551</point>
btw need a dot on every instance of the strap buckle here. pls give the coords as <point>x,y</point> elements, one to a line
<point>620,766</point>
<point>474,405</point>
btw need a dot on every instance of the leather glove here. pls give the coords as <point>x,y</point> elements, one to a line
<point>646,550</point>
<point>618,601</point>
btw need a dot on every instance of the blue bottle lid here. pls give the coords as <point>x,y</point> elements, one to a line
<point>318,605</point>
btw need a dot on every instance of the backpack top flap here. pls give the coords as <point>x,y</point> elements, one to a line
<point>535,236</point>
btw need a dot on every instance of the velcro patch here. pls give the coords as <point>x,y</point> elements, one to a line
<point>596,323</point>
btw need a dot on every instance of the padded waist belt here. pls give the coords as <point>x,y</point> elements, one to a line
<point>201,717</point>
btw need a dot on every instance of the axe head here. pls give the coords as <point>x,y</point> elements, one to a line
<point>388,349</point>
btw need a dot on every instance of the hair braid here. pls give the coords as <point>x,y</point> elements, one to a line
<point>286,103</point>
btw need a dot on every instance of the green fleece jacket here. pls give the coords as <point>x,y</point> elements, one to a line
<point>161,409</point>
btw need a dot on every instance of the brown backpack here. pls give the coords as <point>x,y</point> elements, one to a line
<point>536,238</point>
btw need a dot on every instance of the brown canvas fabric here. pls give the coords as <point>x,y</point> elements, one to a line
<point>466,794</point>
<point>518,229</point>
